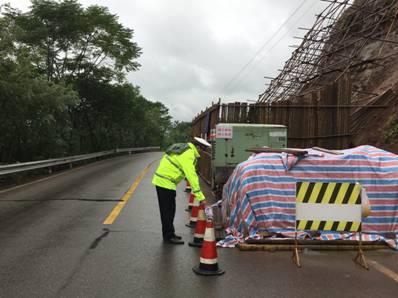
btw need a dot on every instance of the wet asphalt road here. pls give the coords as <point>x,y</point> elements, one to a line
<point>53,244</point>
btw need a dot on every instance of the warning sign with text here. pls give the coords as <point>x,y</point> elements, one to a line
<point>224,132</point>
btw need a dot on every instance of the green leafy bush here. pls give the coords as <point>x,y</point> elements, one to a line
<point>392,131</point>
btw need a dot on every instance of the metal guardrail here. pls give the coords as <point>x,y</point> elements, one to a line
<point>33,165</point>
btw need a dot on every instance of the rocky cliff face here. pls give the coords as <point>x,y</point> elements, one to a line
<point>364,43</point>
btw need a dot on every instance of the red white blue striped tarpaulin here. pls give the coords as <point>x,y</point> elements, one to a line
<point>260,194</point>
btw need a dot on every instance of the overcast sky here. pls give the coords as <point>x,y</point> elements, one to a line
<point>195,52</point>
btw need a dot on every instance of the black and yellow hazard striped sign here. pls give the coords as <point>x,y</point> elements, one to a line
<point>328,225</point>
<point>328,193</point>
<point>328,206</point>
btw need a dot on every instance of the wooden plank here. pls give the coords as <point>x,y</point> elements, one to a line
<point>284,247</point>
<point>223,114</point>
<point>311,242</point>
<point>328,151</point>
<point>297,152</point>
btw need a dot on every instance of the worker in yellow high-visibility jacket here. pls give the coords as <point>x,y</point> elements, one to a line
<point>178,163</point>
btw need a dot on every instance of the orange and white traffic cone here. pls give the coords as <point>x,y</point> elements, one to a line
<point>194,214</point>
<point>200,227</point>
<point>208,264</point>
<point>188,187</point>
<point>190,202</point>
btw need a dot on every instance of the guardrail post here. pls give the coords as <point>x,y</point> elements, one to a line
<point>50,170</point>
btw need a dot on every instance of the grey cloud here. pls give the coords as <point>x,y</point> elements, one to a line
<point>192,49</point>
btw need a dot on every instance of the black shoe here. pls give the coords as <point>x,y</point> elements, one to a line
<point>173,240</point>
<point>176,236</point>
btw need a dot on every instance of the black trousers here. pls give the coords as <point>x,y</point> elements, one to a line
<point>167,207</point>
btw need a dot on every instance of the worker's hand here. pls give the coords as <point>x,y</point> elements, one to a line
<point>209,212</point>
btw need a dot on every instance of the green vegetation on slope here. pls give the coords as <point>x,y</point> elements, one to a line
<point>63,89</point>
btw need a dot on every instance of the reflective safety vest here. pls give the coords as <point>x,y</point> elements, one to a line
<point>175,167</point>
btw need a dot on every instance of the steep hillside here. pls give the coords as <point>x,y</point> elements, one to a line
<point>364,43</point>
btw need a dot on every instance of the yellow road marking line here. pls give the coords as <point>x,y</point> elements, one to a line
<point>387,272</point>
<point>118,208</point>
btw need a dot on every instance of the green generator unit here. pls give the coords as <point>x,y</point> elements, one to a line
<point>231,140</point>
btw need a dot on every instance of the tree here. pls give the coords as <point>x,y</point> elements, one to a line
<point>179,132</point>
<point>75,42</point>
<point>33,111</point>
<point>119,116</point>
<point>62,84</point>
<point>90,50</point>
<point>157,123</point>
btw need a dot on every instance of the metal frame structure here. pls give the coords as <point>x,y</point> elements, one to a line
<point>332,47</point>
<point>340,198</point>
<point>359,258</point>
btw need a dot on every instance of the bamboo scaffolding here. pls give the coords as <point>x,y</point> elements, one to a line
<point>331,48</point>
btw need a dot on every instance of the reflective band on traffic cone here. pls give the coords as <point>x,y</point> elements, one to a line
<point>188,187</point>
<point>208,264</point>
<point>194,214</point>
<point>200,227</point>
<point>190,202</point>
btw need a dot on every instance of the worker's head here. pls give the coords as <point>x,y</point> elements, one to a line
<point>201,143</point>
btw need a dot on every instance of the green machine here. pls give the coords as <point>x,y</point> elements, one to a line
<point>231,140</point>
